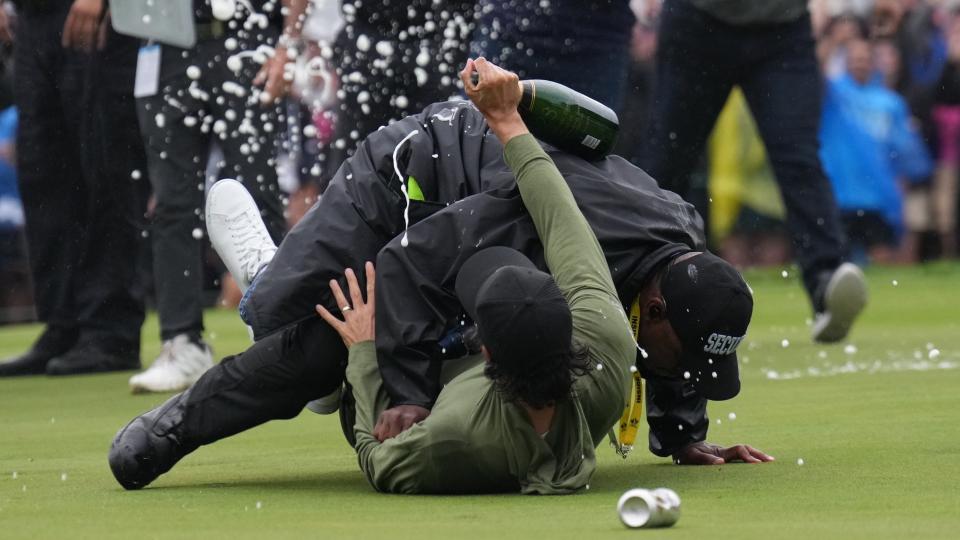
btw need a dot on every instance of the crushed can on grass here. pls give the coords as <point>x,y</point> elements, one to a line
<point>649,508</point>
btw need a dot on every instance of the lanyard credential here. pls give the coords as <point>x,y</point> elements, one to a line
<point>633,411</point>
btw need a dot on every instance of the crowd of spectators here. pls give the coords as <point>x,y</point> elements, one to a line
<point>889,131</point>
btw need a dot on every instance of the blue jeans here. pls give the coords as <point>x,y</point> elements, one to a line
<point>699,60</point>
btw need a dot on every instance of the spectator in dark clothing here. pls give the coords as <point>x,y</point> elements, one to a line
<point>633,116</point>
<point>946,118</point>
<point>923,52</point>
<point>208,93</point>
<point>77,145</point>
<point>705,48</point>
<point>394,59</point>
<point>581,44</point>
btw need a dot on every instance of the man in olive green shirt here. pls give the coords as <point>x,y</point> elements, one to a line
<point>558,349</point>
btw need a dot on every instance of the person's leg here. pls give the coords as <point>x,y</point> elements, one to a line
<point>108,292</point>
<point>784,92</point>
<point>249,137</point>
<point>917,219</point>
<point>696,68</point>
<point>177,147</point>
<point>175,126</point>
<point>271,380</point>
<point>856,239</point>
<point>945,205</point>
<point>50,182</point>
<point>876,236</point>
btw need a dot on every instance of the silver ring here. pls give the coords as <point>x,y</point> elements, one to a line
<point>345,309</point>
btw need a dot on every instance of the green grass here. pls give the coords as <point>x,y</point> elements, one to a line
<point>882,459</point>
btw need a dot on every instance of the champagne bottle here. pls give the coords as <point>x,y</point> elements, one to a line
<point>568,119</point>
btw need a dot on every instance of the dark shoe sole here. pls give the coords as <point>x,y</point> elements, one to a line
<point>54,341</point>
<point>25,365</point>
<point>68,366</point>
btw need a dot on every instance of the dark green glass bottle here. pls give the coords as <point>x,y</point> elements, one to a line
<point>568,119</point>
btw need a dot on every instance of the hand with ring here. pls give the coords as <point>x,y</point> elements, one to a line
<point>357,324</point>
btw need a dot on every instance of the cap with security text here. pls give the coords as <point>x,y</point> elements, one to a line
<point>709,306</point>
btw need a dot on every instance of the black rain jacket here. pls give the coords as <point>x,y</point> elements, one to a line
<point>470,202</point>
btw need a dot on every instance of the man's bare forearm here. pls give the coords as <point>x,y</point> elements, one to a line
<point>507,128</point>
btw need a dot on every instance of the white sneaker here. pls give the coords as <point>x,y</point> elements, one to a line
<point>180,364</point>
<point>844,298</point>
<point>237,232</point>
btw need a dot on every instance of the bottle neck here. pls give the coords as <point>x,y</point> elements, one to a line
<point>528,95</point>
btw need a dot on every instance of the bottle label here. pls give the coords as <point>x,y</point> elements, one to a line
<point>590,142</point>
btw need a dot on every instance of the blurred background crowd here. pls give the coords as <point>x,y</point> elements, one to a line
<point>889,124</point>
<point>888,136</point>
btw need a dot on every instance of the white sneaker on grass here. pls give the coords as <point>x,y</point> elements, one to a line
<point>237,232</point>
<point>180,364</point>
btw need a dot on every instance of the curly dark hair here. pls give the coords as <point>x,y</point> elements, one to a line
<point>539,382</point>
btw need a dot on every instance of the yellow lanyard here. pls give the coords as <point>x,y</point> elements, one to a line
<point>633,411</point>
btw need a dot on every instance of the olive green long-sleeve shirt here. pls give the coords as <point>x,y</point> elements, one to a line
<point>475,441</point>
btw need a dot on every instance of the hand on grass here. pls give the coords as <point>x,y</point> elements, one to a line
<point>358,316</point>
<point>396,420</point>
<point>704,453</point>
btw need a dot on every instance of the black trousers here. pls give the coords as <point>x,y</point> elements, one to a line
<point>273,379</point>
<point>77,145</point>
<point>699,60</point>
<point>178,125</point>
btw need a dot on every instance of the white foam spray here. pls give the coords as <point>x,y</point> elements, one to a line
<point>403,187</point>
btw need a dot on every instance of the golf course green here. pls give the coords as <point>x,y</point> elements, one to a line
<point>865,435</point>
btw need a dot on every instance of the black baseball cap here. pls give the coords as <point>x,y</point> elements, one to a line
<point>519,309</point>
<point>709,307</point>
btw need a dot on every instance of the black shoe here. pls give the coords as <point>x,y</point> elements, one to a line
<point>54,341</point>
<point>95,356</point>
<point>150,445</point>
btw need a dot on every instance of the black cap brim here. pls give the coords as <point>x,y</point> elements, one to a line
<point>716,381</point>
<point>479,267</point>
